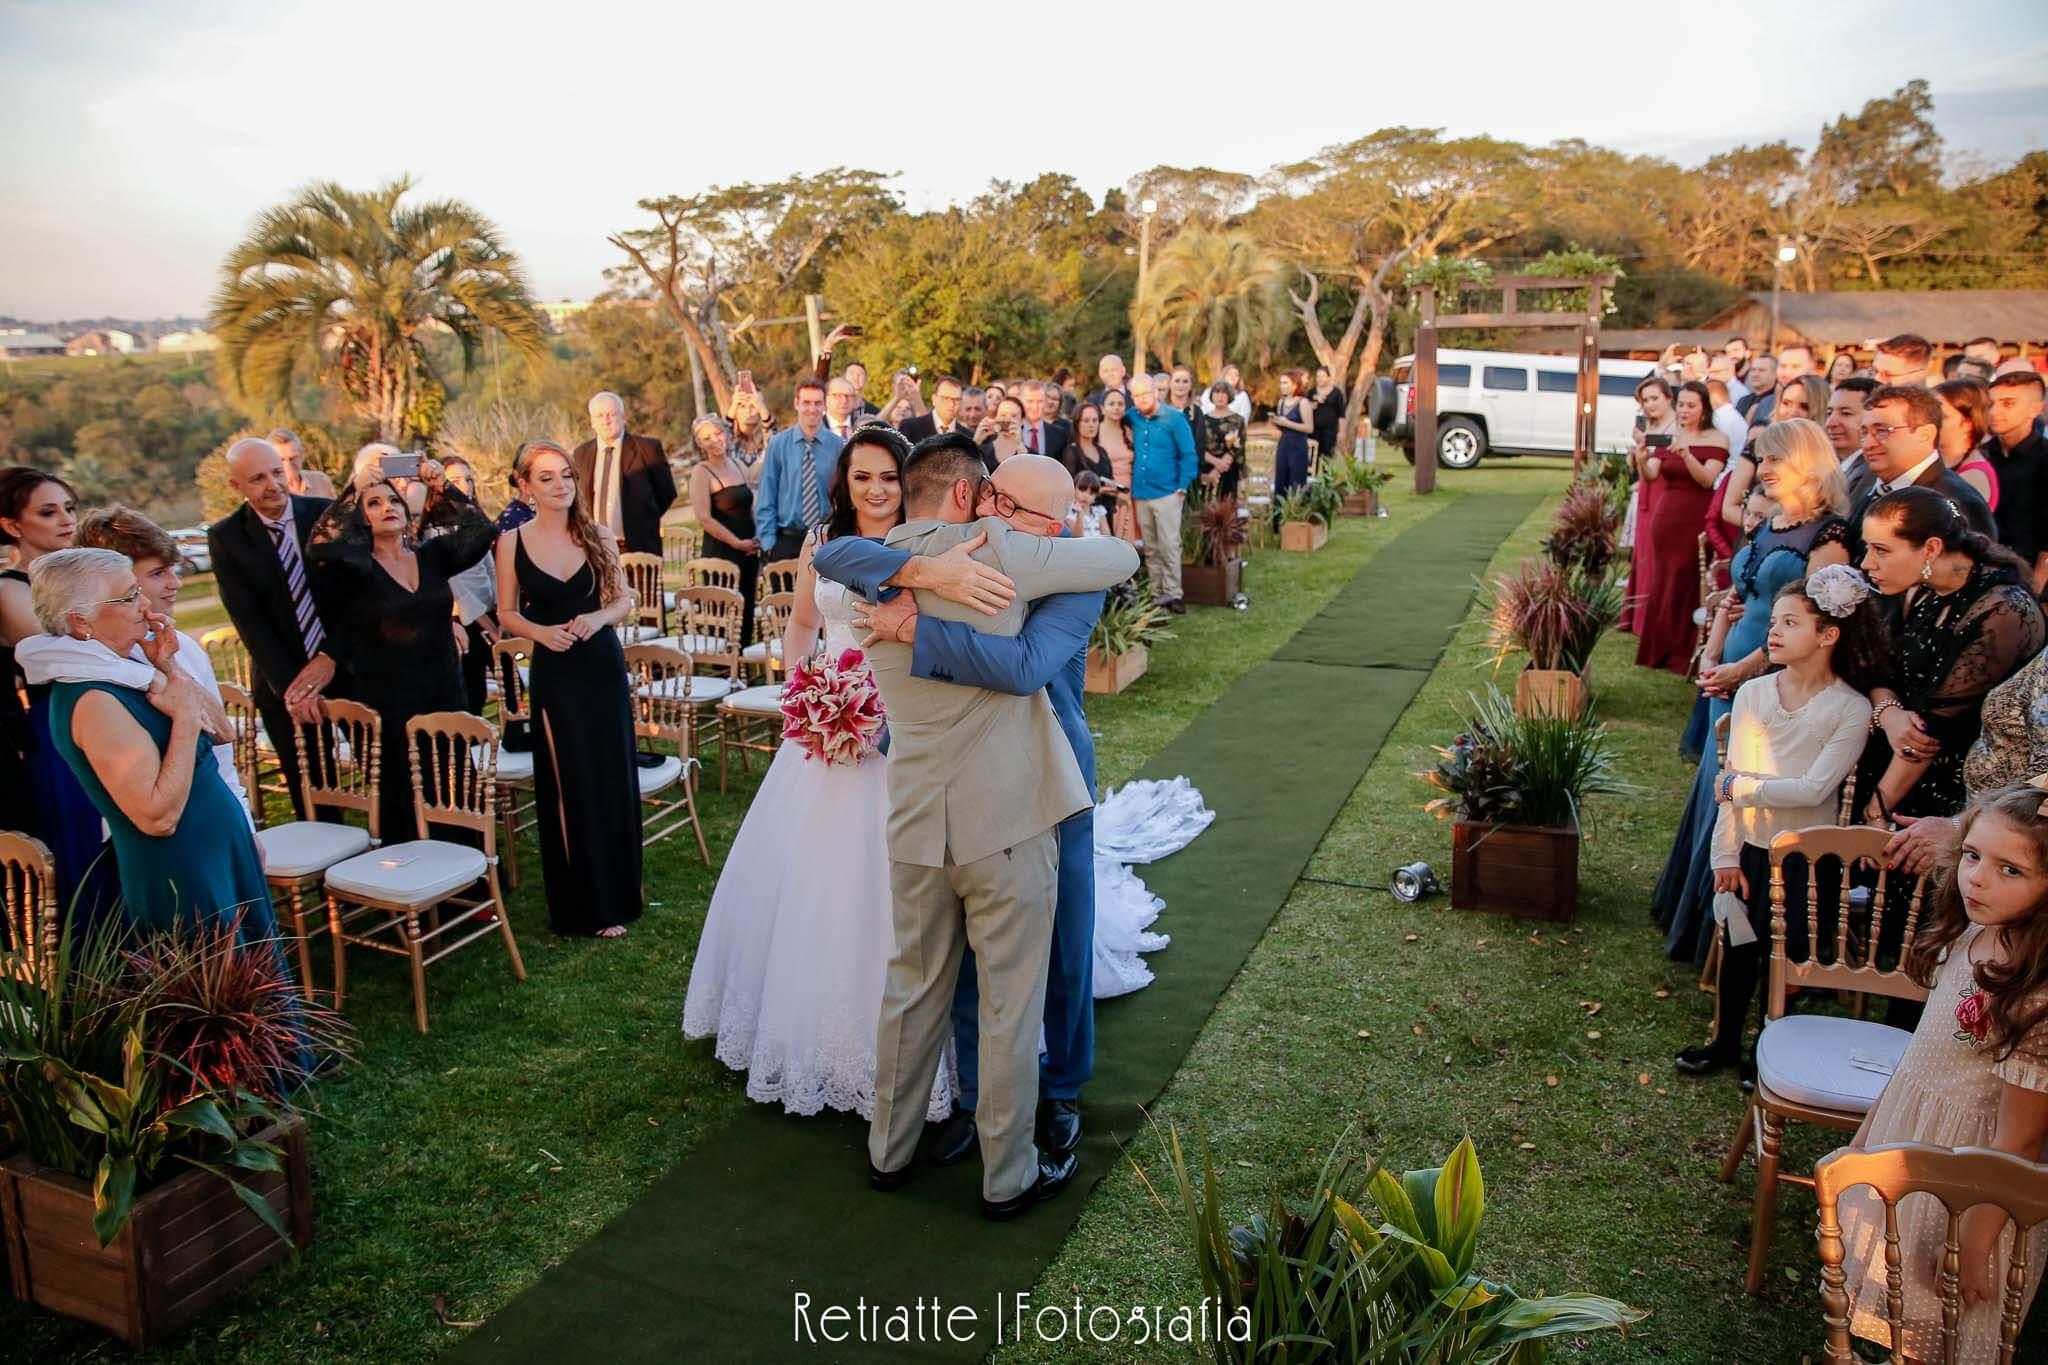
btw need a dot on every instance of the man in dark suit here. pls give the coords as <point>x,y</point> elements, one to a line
<point>1041,433</point>
<point>1900,427</point>
<point>623,480</point>
<point>944,415</point>
<point>260,570</point>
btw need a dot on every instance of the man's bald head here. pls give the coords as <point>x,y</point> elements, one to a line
<point>257,472</point>
<point>1042,490</point>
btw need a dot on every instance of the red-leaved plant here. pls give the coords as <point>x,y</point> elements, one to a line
<point>227,1015</point>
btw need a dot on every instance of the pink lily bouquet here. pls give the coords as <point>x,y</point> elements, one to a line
<point>832,708</point>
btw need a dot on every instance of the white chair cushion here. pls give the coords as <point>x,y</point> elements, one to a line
<point>514,766</point>
<point>668,599</point>
<point>417,872</point>
<point>762,650</point>
<point>698,644</point>
<point>667,775</point>
<point>755,701</point>
<point>303,847</point>
<point>1826,1060</point>
<point>691,688</point>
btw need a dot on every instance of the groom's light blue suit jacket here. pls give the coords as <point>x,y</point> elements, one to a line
<point>1051,653</point>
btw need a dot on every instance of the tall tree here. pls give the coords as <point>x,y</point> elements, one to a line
<point>1891,147</point>
<point>354,283</point>
<point>1214,294</point>
<point>1365,208</point>
<point>714,260</point>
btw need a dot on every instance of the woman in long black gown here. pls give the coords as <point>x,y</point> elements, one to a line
<point>396,612</point>
<point>724,502</point>
<point>560,586</point>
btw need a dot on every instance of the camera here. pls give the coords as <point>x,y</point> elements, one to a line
<point>401,466</point>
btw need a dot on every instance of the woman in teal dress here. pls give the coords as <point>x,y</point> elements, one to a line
<point>184,849</point>
<point>1797,468</point>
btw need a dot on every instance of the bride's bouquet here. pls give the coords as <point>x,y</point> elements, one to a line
<point>832,708</point>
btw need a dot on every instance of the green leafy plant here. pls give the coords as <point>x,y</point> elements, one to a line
<point>1325,499</point>
<point>88,1090</point>
<point>1299,505</point>
<point>1211,529</point>
<point>1325,1284</point>
<point>1130,618</point>
<point>1348,474</point>
<point>1513,769</point>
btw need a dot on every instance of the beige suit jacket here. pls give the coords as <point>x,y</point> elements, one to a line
<point>973,772</point>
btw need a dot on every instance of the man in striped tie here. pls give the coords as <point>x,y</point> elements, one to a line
<point>259,568</point>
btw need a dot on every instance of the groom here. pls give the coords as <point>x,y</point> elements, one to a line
<point>1050,654</point>
<point>978,783</point>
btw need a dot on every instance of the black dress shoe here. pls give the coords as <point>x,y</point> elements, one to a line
<point>885,1181</point>
<point>1747,1076</point>
<point>1177,606</point>
<point>1059,1126</point>
<point>1704,1060</point>
<point>1055,1173</point>
<point>956,1139</point>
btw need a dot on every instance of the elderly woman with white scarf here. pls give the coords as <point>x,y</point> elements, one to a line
<point>143,754</point>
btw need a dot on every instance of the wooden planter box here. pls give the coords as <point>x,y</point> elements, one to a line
<point>1515,870</point>
<point>1552,691</point>
<point>1112,673</point>
<point>1364,504</point>
<point>188,1243</point>
<point>1211,585</point>
<point>1302,536</point>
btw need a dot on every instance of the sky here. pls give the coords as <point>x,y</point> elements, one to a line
<point>139,140</point>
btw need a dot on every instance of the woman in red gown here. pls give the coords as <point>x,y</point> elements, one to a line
<point>1678,486</point>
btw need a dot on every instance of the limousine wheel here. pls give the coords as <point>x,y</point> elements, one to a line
<point>1460,443</point>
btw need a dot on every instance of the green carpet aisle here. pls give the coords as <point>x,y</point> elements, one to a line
<point>706,1266</point>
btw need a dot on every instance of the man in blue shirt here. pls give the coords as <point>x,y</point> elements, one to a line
<point>1162,467</point>
<point>1051,653</point>
<point>795,493</point>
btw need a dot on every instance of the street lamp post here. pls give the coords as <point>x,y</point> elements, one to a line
<point>1787,253</point>
<point>1146,208</point>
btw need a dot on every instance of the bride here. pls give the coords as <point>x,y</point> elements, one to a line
<point>789,972</point>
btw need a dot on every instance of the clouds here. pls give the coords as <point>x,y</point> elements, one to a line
<point>142,138</point>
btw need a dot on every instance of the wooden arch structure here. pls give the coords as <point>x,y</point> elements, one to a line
<point>1586,324</point>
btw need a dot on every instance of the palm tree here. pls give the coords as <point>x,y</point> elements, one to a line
<point>354,283</point>
<point>1216,295</point>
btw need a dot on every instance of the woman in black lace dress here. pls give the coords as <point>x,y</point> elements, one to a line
<point>724,503</point>
<point>1219,441</point>
<point>390,574</point>
<point>560,586</point>
<point>1963,620</point>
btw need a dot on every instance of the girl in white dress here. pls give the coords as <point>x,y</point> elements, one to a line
<point>789,972</point>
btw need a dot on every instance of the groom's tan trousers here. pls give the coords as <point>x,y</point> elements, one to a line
<point>1002,906</point>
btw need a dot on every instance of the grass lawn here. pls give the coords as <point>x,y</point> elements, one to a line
<point>459,1165</point>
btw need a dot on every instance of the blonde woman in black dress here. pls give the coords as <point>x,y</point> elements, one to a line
<point>560,586</point>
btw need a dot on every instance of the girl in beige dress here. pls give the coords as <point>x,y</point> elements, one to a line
<point>1975,1075</point>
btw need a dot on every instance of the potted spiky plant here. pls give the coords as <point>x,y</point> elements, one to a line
<point>1554,616</point>
<point>1119,646</point>
<point>1359,482</point>
<point>157,1094</point>
<point>1212,537</point>
<point>1513,786</point>
<point>1303,525</point>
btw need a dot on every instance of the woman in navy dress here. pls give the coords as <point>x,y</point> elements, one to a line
<point>1295,416</point>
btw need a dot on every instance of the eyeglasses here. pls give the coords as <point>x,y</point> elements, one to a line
<point>1005,505</point>
<point>127,600</point>
<point>1881,432</point>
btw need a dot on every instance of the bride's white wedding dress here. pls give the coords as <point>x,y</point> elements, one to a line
<point>1140,822</point>
<point>789,972</point>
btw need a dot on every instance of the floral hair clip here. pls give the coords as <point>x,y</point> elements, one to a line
<point>1838,590</point>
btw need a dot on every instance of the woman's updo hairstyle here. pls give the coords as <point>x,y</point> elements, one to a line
<point>1919,515</point>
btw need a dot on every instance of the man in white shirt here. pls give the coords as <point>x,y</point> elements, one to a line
<point>1726,419</point>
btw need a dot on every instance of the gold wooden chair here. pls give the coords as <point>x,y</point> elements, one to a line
<point>679,545</point>
<point>247,728</point>
<point>518,806</point>
<point>710,571</point>
<point>763,658</point>
<point>1255,493</point>
<point>662,684</point>
<point>297,854</point>
<point>778,577</point>
<point>1960,1178</point>
<point>649,619</point>
<point>262,770</point>
<point>1820,1068</point>
<point>224,650</point>
<point>397,892</point>
<point>28,894</point>
<point>711,620</point>
<point>1702,618</point>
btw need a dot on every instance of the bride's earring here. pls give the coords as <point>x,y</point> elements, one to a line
<point>1926,571</point>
